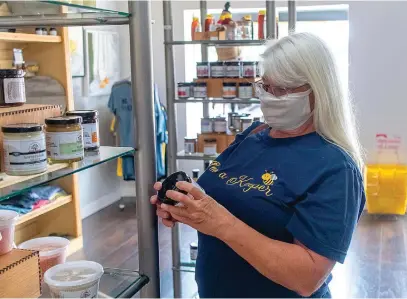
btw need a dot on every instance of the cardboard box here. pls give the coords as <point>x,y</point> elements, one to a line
<point>210,35</point>
<point>222,141</point>
<point>20,274</point>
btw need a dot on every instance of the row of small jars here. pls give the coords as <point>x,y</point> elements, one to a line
<point>28,147</point>
<point>228,69</point>
<point>230,90</point>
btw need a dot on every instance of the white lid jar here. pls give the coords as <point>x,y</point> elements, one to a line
<point>24,149</point>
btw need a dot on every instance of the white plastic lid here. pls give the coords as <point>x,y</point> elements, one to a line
<point>73,274</point>
<point>47,246</point>
<point>7,217</point>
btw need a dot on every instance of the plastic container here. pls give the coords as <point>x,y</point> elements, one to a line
<point>7,224</point>
<point>245,90</point>
<point>53,250</point>
<point>249,69</point>
<point>233,69</point>
<point>202,70</point>
<point>229,90</point>
<point>184,90</point>
<point>217,69</point>
<point>74,279</point>
<point>386,189</point>
<point>90,125</point>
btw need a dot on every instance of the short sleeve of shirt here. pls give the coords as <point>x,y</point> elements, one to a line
<point>325,220</point>
<point>111,103</point>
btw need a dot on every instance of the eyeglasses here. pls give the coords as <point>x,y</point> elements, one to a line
<point>280,92</point>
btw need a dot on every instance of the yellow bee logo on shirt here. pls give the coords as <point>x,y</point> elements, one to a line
<point>214,167</point>
<point>268,178</point>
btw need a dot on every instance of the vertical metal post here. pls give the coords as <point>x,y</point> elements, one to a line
<point>172,137</point>
<point>145,160</point>
<point>271,19</point>
<point>204,48</point>
<point>292,16</point>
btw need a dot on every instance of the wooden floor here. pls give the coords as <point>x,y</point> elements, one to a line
<point>376,266</point>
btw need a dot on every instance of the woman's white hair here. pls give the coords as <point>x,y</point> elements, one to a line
<point>303,58</point>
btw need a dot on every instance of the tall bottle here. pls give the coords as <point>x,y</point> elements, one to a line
<point>261,24</point>
<point>208,22</point>
<point>195,27</point>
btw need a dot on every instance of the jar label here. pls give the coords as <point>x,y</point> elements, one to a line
<point>14,90</point>
<point>65,145</point>
<point>91,135</point>
<point>245,92</point>
<point>202,71</point>
<point>248,71</point>
<point>229,92</point>
<point>220,126</point>
<point>25,155</point>
<point>210,149</point>
<point>76,292</point>
<point>189,147</point>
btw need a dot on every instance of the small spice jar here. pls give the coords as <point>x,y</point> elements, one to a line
<point>249,69</point>
<point>189,145</point>
<point>195,174</point>
<point>202,70</point>
<point>90,125</point>
<point>233,69</point>
<point>24,149</point>
<point>229,90</point>
<point>64,139</point>
<point>245,90</point>
<point>206,125</point>
<point>193,250</point>
<point>200,90</point>
<point>217,69</point>
<point>12,88</point>
<point>53,32</point>
<point>44,31</point>
<point>245,122</point>
<point>210,147</point>
<point>220,124</point>
<point>184,90</point>
<point>38,31</point>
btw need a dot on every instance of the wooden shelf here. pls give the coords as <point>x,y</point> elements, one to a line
<point>59,202</point>
<point>28,38</point>
<point>25,108</point>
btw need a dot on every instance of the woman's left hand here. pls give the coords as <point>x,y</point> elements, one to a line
<point>199,211</point>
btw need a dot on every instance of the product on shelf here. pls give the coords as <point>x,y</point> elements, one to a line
<point>24,149</point>
<point>229,90</point>
<point>170,184</point>
<point>74,279</point>
<point>193,250</point>
<point>195,174</point>
<point>195,27</point>
<point>220,125</point>
<point>209,147</point>
<point>190,145</point>
<point>245,122</point>
<point>38,31</point>
<point>208,22</point>
<point>235,121</point>
<point>202,70</point>
<point>90,125</point>
<point>200,90</point>
<point>12,87</point>
<point>231,116</point>
<point>184,90</point>
<point>245,90</point>
<point>261,24</point>
<point>53,32</point>
<point>206,125</point>
<point>7,224</point>
<point>217,69</point>
<point>44,31</point>
<point>64,138</point>
<point>249,69</point>
<point>246,28</point>
<point>53,251</point>
<point>233,69</point>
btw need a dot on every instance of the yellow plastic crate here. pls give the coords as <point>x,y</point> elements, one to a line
<point>386,189</point>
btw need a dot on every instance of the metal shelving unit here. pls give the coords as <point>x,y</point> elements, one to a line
<point>139,20</point>
<point>178,265</point>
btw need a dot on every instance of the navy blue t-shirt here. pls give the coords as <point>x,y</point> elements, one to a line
<point>302,188</point>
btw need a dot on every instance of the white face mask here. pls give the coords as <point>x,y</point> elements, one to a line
<point>286,114</point>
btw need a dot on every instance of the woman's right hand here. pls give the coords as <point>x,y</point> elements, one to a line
<point>166,217</point>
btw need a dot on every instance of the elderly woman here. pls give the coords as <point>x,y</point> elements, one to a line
<point>281,202</point>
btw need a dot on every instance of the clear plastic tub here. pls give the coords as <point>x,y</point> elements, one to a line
<point>7,224</point>
<point>74,280</point>
<point>53,250</point>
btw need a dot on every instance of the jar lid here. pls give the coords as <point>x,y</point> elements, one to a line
<point>217,63</point>
<point>200,84</point>
<point>6,73</point>
<point>22,128</point>
<point>190,138</point>
<point>249,62</point>
<point>182,83</point>
<point>63,120</point>
<point>229,84</point>
<point>202,63</point>
<point>245,84</point>
<point>220,118</point>
<point>232,63</point>
<point>246,119</point>
<point>193,245</point>
<point>210,140</point>
<point>85,114</point>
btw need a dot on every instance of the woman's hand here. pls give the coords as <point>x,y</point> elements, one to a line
<point>166,217</point>
<point>199,211</point>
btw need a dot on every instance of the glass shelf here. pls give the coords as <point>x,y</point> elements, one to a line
<point>87,6</point>
<point>15,185</point>
<point>115,283</point>
<point>220,42</point>
<point>218,101</point>
<point>195,156</point>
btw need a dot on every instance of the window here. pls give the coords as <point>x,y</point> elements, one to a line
<point>328,22</point>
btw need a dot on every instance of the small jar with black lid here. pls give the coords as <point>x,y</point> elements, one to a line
<point>24,149</point>
<point>233,69</point>
<point>217,69</point>
<point>202,70</point>
<point>249,69</point>
<point>90,125</point>
<point>12,88</point>
<point>229,90</point>
<point>64,138</point>
<point>245,90</point>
